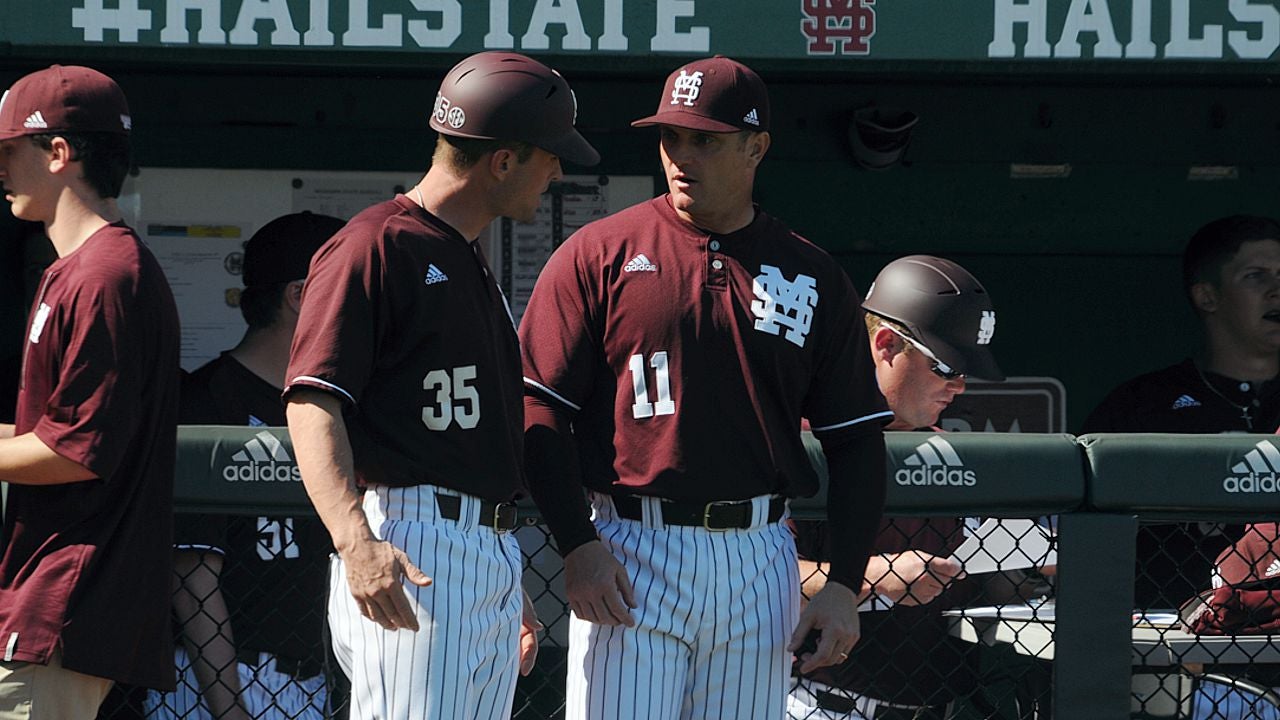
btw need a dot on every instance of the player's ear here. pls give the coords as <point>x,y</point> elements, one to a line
<point>757,146</point>
<point>293,295</point>
<point>1205,297</point>
<point>885,344</point>
<point>501,162</point>
<point>60,154</point>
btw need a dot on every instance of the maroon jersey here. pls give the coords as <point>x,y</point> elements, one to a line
<point>402,319</point>
<point>689,358</point>
<point>86,565</point>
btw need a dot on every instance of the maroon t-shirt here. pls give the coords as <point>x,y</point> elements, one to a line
<point>86,565</point>
<point>688,358</point>
<point>402,319</point>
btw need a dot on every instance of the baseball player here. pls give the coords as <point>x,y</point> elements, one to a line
<point>930,325</point>
<point>683,339</point>
<point>251,590</point>
<point>1231,274</point>
<point>85,548</point>
<point>404,406</point>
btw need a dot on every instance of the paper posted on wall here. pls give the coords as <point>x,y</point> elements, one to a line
<point>1004,544</point>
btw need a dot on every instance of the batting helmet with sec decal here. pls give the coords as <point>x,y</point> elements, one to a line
<point>944,307</point>
<point>508,96</point>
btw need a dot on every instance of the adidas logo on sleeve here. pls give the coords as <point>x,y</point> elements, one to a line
<point>640,263</point>
<point>263,459</point>
<point>935,462</point>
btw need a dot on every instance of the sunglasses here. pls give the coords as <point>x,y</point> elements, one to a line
<point>936,366</point>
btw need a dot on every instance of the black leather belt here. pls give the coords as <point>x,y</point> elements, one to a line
<point>501,517</point>
<point>720,515</point>
<point>296,668</point>
<point>837,703</point>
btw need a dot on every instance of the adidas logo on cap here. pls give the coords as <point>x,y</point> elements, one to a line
<point>35,121</point>
<point>935,462</point>
<point>1257,472</point>
<point>263,459</point>
<point>1273,568</point>
<point>640,263</point>
<point>751,118</point>
<point>1186,401</point>
<point>435,275</point>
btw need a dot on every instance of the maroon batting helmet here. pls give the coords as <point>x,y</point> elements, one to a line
<point>508,96</point>
<point>942,306</point>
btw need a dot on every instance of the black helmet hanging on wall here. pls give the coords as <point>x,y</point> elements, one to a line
<point>508,96</point>
<point>944,307</point>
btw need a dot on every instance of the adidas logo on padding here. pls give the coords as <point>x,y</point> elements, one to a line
<point>934,462</point>
<point>263,459</point>
<point>751,118</point>
<point>640,263</point>
<point>435,275</point>
<point>35,121</point>
<point>1257,472</point>
<point>1186,401</point>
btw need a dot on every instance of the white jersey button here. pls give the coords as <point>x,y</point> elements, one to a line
<point>717,264</point>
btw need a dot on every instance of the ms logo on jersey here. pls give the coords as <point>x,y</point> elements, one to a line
<point>987,327</point>
<point>782,303</point>
<point>687,88</point>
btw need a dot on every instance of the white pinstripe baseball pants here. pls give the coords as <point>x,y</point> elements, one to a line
<point>716,610</point>
<point>462,662</point>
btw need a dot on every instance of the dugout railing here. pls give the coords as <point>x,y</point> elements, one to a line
<point>1093,491</point>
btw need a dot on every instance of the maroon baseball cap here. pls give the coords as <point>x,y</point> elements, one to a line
<point>715,94</point>
<point>64,99</point>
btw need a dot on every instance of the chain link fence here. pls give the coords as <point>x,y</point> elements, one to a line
<point>960,622</point>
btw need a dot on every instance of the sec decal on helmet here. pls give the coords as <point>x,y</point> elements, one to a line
<point>943,306</point>
<point>508,96</point>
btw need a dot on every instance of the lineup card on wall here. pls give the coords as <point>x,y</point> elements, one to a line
<point>518,251</point>
<point>196,221</point>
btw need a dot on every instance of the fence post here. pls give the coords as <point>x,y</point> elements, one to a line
<point>1093,646</point>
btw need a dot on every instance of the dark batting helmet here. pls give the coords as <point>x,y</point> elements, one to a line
<point>942,306</point>
<point>507,96</point>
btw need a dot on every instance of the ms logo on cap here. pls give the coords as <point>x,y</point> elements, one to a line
<point>686,88</point>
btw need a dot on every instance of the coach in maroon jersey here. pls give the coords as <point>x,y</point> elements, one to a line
<point>683,339</point>
<point>404,386</point>
<point>85,551</point>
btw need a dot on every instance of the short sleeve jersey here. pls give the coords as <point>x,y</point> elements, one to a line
<point>689,358</point>
<point>402,319</point>
<point>85,566</point>
<point>275,575</point>
<point>1175,560</point>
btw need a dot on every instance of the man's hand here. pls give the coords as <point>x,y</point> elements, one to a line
<point>597,586</point>
<point>529,629</point>
<point>834,612</point>
<point>912,577</point>
<point>374,569</point>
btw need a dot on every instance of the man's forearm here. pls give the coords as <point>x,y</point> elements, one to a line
<point>206,631</point>
<point>6,431</point>
<point>26,460</point>
<point>855,501</point>
<point>323,449</point>
<point>550,458</point>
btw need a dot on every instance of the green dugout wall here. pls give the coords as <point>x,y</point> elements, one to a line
<point>1132,95</point>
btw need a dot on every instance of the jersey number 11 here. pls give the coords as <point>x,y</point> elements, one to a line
<point>662,383</point>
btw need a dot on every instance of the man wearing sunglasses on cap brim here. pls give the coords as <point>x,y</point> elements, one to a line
<point>930,325</point>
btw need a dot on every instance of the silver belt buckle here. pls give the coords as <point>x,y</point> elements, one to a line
<point>706,514</point>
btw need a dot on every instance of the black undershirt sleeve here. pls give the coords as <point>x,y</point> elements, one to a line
<point>855,502</point>
<point>551,465</point>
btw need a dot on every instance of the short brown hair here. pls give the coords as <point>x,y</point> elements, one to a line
<point>461,154</point>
